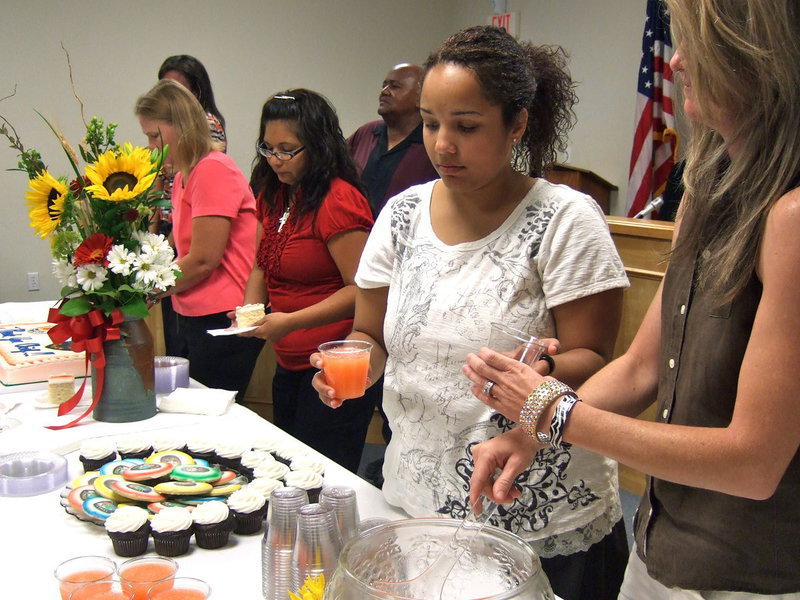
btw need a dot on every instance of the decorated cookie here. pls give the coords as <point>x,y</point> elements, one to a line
<point>176,457</point>
<point>86,479</point>
<point>77,496</point>
<point>136,491</point>
<point>183,488</point>
<point>99,507</point>
<point>116,467</point>
<point>156,507</point>
<point>103,486</point>
<point>196,500</point>
<point>226,489</point>
<point>195,473</point>
<point>148,471</point>
<point>226,477</point>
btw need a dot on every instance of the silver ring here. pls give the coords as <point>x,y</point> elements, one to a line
<point>487,389</point>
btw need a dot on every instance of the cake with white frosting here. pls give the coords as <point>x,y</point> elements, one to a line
<point>28,355</point>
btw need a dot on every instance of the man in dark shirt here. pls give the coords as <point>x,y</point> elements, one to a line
<point>390,154</point>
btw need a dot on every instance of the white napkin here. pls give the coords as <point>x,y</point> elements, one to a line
<point>197,401</point>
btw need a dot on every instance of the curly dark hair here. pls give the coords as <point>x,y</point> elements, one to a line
<point>196,74</point>
<point>317,127</point>
<point>514,76</point>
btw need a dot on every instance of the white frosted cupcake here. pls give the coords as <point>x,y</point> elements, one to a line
<point>264,486</point>
<point>307,462</point>
<point>172,528</point>
<point>201,448</point>
<point>230,454</point>
<point>267,444</point>
<point>271,470</point>
<point>213,523</point>
<point>134,447</point>
<point>96,452</point>
<point>166,443</point>
<point>289,451</point>
<point>307,480</point>
<point>129,530</point>
<point>249,508</point>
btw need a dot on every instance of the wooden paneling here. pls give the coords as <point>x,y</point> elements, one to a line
<point>584,181</point>
<point>643,246</point>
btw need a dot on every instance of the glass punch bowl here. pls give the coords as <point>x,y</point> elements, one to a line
<point>497,566</point>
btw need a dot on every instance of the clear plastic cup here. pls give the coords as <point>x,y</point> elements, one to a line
<point>75,572</point>
<point>344,503</point>
<point>515,344</point>
<point>103,590</point>
<point>278,544</point>
<point>144,572</point>
<point>180,588</point>
<point>317,546</point>
<point>346,366</point>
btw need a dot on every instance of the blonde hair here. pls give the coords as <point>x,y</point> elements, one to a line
<point>172,103</point>
<point>743,61</point>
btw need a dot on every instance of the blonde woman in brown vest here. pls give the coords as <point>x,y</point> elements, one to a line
<point>718,349</point>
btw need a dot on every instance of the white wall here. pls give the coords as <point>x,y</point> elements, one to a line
<point>253,48</point>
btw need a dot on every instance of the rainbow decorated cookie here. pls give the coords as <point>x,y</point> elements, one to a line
<point>176,457</point>
<point>136,491</point>
<point>148,471</point>
<point>183,488</point>
<point>195,473</point>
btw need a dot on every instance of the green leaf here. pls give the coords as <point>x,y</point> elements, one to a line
<point>76,306</point>
<point>136,308</point>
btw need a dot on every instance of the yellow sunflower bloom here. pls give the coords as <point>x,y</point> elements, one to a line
<point>46,200</point>
<point>313,589</point>
<point>121,175</point>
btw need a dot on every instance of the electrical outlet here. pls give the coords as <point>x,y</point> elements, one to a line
<point>33,281</point>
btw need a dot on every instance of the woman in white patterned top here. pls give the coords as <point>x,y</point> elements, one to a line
<point>492,241</point>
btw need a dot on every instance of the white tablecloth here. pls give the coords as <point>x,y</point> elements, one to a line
<point>37,534</point>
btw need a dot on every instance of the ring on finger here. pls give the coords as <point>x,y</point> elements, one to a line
<point>487,388</point>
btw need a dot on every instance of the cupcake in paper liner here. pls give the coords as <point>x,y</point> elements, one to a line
<point>249,508</point>
<point>230,454</point>
<point>172,529</point>
<point>134,447</point>
<point>308,462</point>
<point>289,451</point>
<point>129,530</point>
<point>307,480</point>
<point>203,449</point>
<point>167,443</point>
<point>96,452</point>
<point>271,470</point>
<point>264,486</point>
<point>254,458</point>
<point>213,523</point>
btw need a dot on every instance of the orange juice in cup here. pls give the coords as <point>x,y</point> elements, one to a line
<point>346,366</point>
<point>146,571</point>
<point>182,588</point>
<point>77,571</point>
<point>103,590</point>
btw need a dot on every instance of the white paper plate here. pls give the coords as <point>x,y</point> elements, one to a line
<point>230,330</point>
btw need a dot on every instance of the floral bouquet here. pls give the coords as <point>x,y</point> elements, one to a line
<point>108,262</point>
<point>98,223</point>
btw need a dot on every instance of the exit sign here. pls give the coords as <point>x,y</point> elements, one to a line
<point>508,21</point>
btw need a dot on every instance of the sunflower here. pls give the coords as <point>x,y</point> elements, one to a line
<point>121,175</point>
<point>46,200</point>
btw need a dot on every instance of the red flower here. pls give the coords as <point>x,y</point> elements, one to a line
<point>132,215</point>
<point>77,184</point>
<point>93,250</point>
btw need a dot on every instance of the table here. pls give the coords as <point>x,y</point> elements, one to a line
<point>38,533</point>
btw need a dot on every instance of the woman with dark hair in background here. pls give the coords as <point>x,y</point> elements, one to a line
<point>190,73</point>
<point>314,224</point>
<point>493,241</point>
<point>214,233</point>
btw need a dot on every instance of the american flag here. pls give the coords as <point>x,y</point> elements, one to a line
<point>655,139</point>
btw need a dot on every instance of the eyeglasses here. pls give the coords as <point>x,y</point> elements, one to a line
<point>279,154</point>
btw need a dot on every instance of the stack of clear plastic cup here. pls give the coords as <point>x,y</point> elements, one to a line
<point>317,545</point>
<point>279,540</point>
<point>343,501</point>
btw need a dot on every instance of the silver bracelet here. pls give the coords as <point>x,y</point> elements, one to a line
<point>559,421</point>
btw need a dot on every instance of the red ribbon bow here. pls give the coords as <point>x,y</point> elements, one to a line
<point>88,332</point>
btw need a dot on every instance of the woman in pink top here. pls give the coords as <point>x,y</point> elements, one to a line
<point>214,230</point>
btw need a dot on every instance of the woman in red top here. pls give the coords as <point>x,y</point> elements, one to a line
<point>314,222</point>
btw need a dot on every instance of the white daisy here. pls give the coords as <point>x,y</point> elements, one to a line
<point>64,272</point>
<point>120,260</point>
<point>91,277</point>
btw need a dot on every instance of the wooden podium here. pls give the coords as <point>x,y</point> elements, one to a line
<point>644,247</point>
<point>584,181</point>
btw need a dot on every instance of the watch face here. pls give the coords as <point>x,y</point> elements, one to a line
<point>542,438</point>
